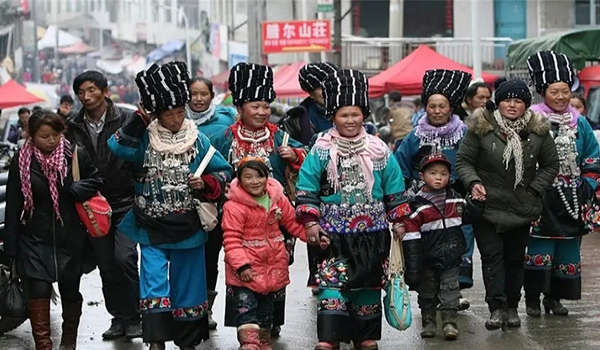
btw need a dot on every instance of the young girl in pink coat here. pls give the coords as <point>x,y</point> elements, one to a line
<point>256,260</point>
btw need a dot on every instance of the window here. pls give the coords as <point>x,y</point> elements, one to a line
<point>582,12</point>
<point>168,13</point>
<point>79,6</point>
<point>68,6</point>
<point>92,6</point>
<point>241,7</point>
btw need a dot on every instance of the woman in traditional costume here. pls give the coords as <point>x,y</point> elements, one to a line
<point>211,120</point>
<point>251,87</point>
<point>164,220</point>
<point>553,260</point>
<point>440,131</point>
<point>348,189</point>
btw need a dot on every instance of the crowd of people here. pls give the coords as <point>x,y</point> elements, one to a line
<point>186,177</point>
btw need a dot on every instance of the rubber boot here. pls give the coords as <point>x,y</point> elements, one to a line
<point>498,319</point>
<point>429,323</point>
<point>449,326</point>
<point>265,339</point>
<point>249,337</point>
<point>71,316</point>
<point>512,318</point>
<point>39,316</point>
<point>212,295</point>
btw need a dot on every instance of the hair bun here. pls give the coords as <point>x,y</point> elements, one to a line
<point>490,105</point>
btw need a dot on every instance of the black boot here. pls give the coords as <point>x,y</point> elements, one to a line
<point>428,322</point>
<point>497,320</point>
<point>212,295</point>
<point>449,327</point>
<point>532,305</point>
<point>512,316</point>
<point>554,305</point>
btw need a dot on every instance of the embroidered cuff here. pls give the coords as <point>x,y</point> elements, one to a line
<point>307,213</point>
<point>301,155</point>
<point>212,187</point>
<point>397,214</point>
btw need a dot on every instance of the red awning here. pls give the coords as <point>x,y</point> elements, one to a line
<point>286,82</point>
<point>13,94</point>
<point>406,76</point>
<point>221,81</point>
<point>78,48</point>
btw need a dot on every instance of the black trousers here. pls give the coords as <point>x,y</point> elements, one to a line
<point>502,259</point>
<point>438,287</point>
<point>212,249</point>
<point>117,259</point>
<point>38,289</point>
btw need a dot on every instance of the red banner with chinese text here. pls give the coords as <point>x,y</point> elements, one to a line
<point>296,36</point>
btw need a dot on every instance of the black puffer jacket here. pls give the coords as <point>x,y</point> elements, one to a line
<point>433,239</point>
<point>118,186</point>
<point>46,249</point>
<point>297,123</point>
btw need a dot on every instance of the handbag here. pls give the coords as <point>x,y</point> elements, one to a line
<point>207,211</point>
<point>13,302</point>
<point>95,213</point>
<point>396,302</point>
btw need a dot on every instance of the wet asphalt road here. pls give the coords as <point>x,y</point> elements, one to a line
<point>580,330</point>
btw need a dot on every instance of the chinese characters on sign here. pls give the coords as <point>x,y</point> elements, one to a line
<point>296,36</point>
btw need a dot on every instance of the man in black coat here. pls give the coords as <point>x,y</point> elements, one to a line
<point>115,254</point>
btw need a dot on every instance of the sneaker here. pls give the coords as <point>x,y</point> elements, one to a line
<point>115,331</point>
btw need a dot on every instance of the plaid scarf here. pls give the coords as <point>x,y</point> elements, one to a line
<point>514,148</point>
<point>53,166</point>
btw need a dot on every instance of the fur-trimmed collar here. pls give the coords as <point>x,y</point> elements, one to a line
<point>481,122</point>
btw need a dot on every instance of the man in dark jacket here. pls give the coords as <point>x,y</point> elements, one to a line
<point>65,106</point>
<point>115,254</point>
<point>16,130</point>
<point>309,119</point>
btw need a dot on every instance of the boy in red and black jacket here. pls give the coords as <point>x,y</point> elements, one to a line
<point>433,246</point>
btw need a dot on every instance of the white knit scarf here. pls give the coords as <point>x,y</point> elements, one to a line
<point>164,141</point>
<point>514,148</point>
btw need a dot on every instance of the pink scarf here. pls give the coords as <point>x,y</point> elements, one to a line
<point>374,149</point>
<point>53,166</point>
<point>569,116</point>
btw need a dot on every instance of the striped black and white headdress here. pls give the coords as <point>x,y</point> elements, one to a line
<point>164,87</point>
<point>549,67</point>
<point>450,83</point>
<point>312,75</point>
<point>250,82</point>
<point>346,87</point>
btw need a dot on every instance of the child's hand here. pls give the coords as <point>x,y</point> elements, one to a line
<point>399,231</point>
<point>247,275</point>
<point>324,242</point>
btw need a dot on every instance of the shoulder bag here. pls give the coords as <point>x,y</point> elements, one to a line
<point>95,213</point>
<point>396,302</point>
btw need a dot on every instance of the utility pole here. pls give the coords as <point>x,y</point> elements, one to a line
<point>476,44</point>
<point>255,19</point>
<point>36,55</point>
<point>337,32</point>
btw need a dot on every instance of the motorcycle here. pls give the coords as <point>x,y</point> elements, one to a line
<point>7,152</point>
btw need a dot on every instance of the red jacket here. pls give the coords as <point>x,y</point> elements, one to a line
<point>251,238</point>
